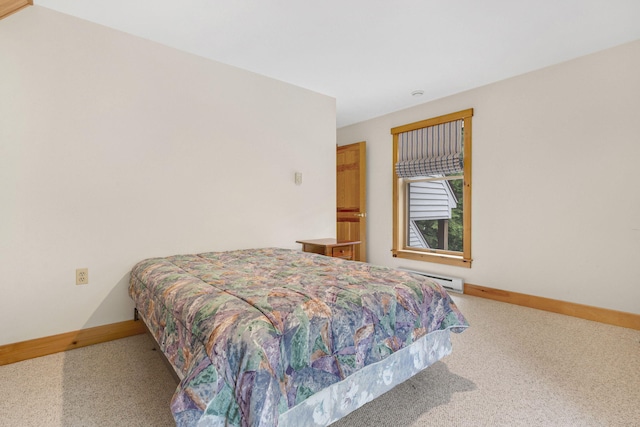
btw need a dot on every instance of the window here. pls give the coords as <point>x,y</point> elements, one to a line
<point>432,189</point>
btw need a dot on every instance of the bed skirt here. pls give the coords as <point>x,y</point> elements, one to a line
<point>338,400</point>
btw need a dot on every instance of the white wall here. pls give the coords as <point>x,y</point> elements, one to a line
<point>114,149</point>
<point>556,181</point>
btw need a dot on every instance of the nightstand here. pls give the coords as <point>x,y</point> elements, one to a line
<point>330,247</point>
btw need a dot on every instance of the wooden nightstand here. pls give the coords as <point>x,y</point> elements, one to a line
<point>330,247</point>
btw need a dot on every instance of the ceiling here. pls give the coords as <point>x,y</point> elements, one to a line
<point>372,54</point>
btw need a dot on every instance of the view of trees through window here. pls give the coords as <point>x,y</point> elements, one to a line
<point>453,238</point>
<point>432,181</point>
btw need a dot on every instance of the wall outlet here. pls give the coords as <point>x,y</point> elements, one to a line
<point>82,276</point>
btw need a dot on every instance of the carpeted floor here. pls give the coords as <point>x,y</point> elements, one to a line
<point>513,367</point>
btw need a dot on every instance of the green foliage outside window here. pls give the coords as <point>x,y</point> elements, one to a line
<point>429,228</point>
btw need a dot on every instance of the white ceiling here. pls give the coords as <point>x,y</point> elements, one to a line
<point>371,54</point>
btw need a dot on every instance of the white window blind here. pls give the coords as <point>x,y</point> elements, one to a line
<point>431,150</point>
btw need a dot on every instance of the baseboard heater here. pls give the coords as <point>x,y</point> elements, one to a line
<point>453,284</point>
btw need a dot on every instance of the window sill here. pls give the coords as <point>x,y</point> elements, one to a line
<point>458,261</point>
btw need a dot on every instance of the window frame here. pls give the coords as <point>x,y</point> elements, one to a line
<point>400,220</point>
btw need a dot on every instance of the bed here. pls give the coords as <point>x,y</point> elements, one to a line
<point>277,337</point>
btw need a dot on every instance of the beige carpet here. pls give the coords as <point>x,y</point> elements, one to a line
<point>513,367</point>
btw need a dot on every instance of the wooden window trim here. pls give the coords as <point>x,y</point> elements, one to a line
<point>399,249</point>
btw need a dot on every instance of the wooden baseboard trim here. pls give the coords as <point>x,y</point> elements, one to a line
<point>602,315</point>
<point>11,353</point>
<point>24,350</point>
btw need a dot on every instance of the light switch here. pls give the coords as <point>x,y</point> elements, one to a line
<point>298,178</point>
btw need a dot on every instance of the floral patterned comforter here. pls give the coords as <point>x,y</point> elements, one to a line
<point>252,333</point>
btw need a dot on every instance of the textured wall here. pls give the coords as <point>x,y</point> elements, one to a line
<point>114,149</point>
<point>556,182</point>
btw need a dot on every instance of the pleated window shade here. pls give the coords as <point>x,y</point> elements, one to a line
<point>433,150</point>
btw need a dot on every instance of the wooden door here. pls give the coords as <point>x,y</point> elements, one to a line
<point>351,180</point>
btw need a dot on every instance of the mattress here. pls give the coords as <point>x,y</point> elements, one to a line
<point>267,337</point>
